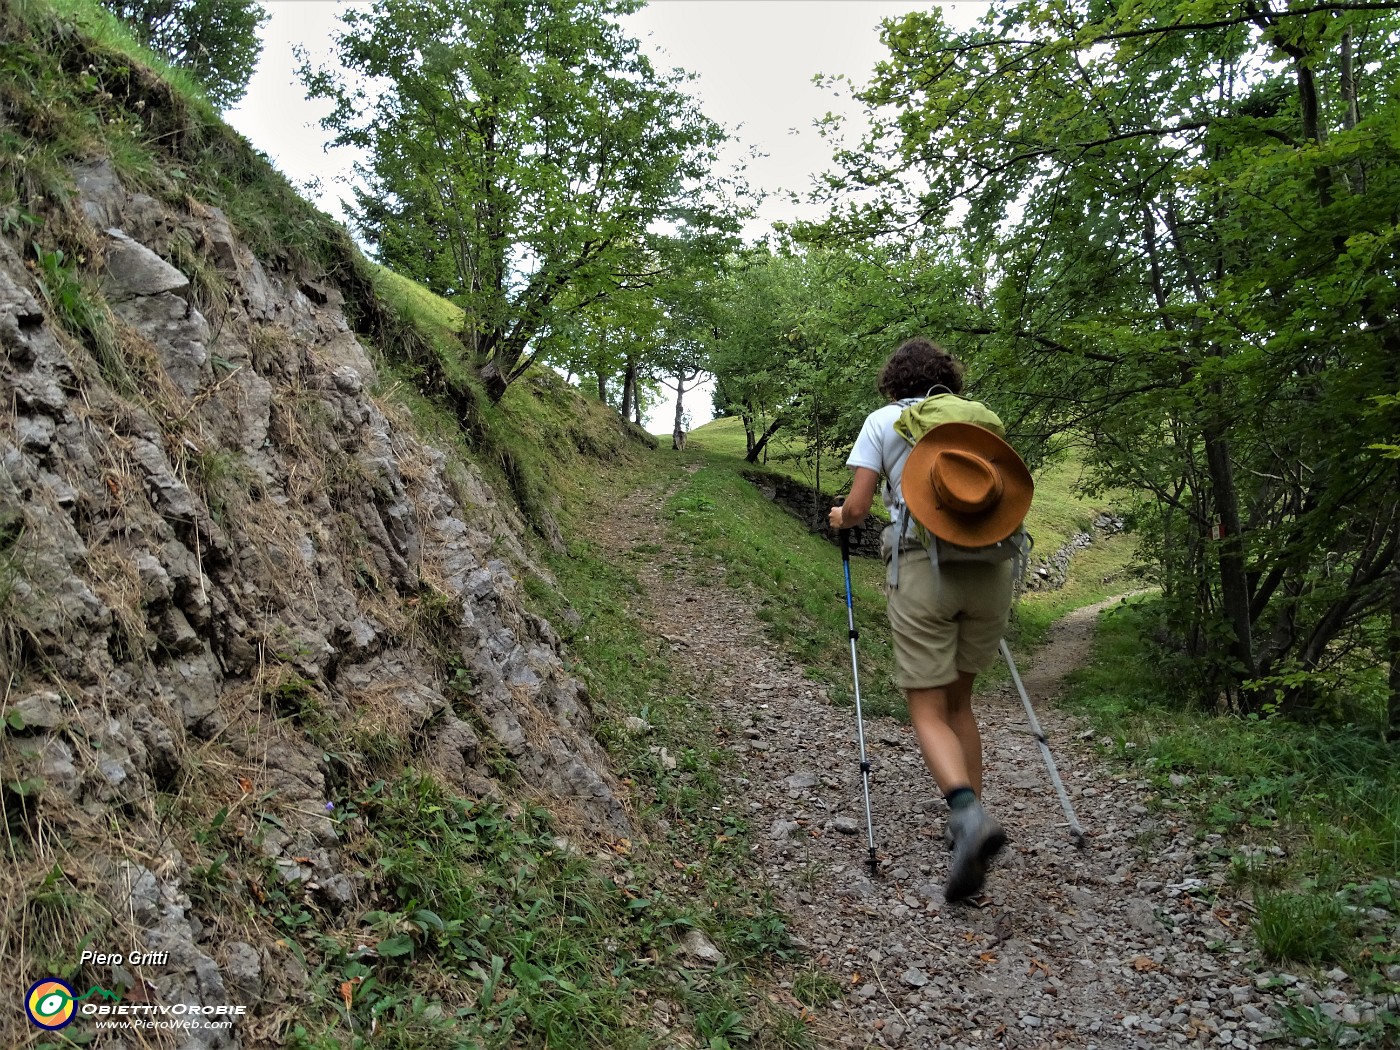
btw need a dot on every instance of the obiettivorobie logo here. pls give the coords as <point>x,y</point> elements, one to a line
<point>51,1003</point>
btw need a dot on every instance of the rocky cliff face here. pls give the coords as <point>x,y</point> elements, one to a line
<point>219,551</point>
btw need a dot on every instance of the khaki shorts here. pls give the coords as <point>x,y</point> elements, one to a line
<point>953,624</point>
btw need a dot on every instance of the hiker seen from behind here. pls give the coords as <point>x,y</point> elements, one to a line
<point>957,495</point>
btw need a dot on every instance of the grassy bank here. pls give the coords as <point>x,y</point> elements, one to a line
<point>1308,814</point>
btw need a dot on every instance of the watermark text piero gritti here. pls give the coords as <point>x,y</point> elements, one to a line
<point>130,958</point>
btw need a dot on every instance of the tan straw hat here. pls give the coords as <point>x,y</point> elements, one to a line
<point>966,485</point>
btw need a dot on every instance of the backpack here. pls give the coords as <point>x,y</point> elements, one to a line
<point>914,422</point>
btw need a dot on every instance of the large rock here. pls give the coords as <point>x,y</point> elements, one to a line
<point>224,564</point>
<point>134,271</point>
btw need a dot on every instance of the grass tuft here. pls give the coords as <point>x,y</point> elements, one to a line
<point>1303,928</point>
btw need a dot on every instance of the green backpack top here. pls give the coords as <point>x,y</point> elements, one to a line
<point>914,422</point>
<point>919,418</point>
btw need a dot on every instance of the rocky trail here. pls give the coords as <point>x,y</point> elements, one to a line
<point>1134,940</point>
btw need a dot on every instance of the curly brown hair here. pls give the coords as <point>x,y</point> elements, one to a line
<point>916,368</point>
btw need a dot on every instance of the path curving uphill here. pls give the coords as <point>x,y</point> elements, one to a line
<point>1128,942</point>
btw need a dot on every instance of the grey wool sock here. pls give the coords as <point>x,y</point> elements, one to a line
<point>960,798</point>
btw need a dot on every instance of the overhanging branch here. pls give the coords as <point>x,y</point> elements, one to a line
<point>1251,18</point>
<point>1041,340</point>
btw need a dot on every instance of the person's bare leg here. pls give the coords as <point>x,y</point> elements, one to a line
<point>948,734</point>
<point>938,742</point>
<point>964,724</point>
<point>952,750</point>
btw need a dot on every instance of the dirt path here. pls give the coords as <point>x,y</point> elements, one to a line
<point>1127,942</point>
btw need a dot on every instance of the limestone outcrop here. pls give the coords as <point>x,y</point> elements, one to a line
<point>217,540</point>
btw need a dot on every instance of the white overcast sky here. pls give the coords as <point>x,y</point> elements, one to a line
<point>755,61</point>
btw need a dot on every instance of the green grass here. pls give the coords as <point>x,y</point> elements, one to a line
<point>816,988</point>
<point>427,309</point>
<point>482,930</point>
<point>1060,509</point>
<point>1303,927</point>
<point>1337,783</point>
<point>785,451</point>
<point>1328,794</point>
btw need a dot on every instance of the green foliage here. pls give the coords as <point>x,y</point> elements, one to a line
<point>215,40</point>
<point>799,335</point>
<point>1179,245</point>
<point>548,952</point>
<point>518,158</point>
<point>721,1026</point>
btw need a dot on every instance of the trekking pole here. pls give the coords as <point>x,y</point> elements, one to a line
<point>860,724</point>
<point>1075,831</point>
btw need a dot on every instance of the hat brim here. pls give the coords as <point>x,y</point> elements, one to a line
<point>967,530</point>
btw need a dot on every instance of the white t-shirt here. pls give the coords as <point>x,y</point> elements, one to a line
<point>881,449</point>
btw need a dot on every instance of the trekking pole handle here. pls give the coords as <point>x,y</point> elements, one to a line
<point>845,533</point>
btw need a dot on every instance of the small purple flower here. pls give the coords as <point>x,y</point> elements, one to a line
<point>330,806</point>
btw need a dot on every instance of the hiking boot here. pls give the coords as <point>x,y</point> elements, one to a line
<point>976,839</point>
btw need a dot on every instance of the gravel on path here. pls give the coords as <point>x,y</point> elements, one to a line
<point>1134,940</point>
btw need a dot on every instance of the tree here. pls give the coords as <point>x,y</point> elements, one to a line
<point>800,333</point>
<point>612,343</point>
<point>216,41</point>
<point>520,152</point>
<point>754,304</point>
<point>688,304</point>
<point>1180,218</point>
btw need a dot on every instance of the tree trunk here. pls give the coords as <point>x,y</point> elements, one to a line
<point>1234,584</point>
<point>1392,727</point>
<point>494,380</point>
<point>629,387</point>
<point>678,433</point>
<point>1352,115</point>
<point>602,387</point>
<point>762,442</point>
